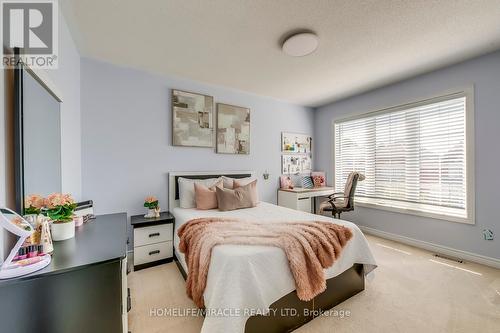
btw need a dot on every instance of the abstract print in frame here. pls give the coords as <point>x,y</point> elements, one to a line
<point>192,119</point>
<point>233,129</point>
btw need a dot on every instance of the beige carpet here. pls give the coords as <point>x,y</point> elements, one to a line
<point>411,291</point>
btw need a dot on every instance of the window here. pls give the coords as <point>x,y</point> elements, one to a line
<point>415,157</point>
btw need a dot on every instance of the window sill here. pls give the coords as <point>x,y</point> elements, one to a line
<point>389,206</point>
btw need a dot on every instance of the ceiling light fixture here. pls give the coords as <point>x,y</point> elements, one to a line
<point>300,44</point>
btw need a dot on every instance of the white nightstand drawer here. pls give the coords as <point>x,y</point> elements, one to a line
<point>148,253</point>
<point>153,234</point>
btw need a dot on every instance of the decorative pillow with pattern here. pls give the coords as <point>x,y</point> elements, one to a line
<point>307,182</point>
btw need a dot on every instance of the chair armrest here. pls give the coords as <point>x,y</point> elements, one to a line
<point>332,200</point>
<point>334,194</point>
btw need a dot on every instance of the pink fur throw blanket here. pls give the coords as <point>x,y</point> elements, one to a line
<point>310,246</point>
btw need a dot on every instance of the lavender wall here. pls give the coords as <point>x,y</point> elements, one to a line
<point>482,72</point>
<point>126,136</point>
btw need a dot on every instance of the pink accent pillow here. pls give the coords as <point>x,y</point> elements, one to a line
<point>206,197</point>
<point>286,182</point>
<point>246,181</point>
<point>241,197</point>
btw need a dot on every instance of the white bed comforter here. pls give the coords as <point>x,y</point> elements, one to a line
<point>245,278</point>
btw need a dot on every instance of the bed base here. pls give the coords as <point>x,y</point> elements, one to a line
<point>179,266</point>
<point>289,312</point>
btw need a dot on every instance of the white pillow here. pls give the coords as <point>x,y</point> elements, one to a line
<point>186,190</point>
<point>228,181</point>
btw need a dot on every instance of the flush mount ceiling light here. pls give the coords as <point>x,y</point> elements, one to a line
<point>300,44</point>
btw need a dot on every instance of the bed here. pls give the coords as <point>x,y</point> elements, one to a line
<point>252,284</point>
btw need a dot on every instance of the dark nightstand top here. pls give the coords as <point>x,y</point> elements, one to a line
<point>138,221</point>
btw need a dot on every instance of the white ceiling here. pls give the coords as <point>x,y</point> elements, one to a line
<point>236,43</point>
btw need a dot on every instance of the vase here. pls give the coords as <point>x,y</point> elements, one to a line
<point>152,213</point>
<point>62,230</point>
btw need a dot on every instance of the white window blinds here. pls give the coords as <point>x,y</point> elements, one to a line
<point>413,157</point>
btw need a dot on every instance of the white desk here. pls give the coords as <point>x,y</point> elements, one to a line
<point>303,199</point>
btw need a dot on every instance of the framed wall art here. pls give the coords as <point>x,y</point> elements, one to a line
<point>233,129</point>
<point>192,119</point>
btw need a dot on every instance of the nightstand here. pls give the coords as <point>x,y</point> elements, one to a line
<point>153,240</point>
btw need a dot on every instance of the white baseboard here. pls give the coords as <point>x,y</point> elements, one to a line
<point>439,249</point>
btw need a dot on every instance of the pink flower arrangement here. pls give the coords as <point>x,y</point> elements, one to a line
<point>59,207</point>
<point>151,202</point>
<point>58,199</point>
<point>33,204</point>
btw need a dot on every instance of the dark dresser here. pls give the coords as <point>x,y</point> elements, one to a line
<point>84,289</point>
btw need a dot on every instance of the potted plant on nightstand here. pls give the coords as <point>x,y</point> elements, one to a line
<point>151,203</point>
<point>59,209</point>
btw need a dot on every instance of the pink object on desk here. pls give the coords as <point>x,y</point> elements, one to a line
<point>319,178</point>
<point>78,221</point>
<point>286,182</point>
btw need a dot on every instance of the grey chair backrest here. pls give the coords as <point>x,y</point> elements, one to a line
<point>350,188</point>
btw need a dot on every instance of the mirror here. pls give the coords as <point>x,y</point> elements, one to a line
<point>14,223</point>
<point>38,137</point>
<point>41,139</point>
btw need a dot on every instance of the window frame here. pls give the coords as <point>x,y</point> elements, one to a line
<point>468,93</point>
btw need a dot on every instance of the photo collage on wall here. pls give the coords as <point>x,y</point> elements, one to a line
<point>296,155</point>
